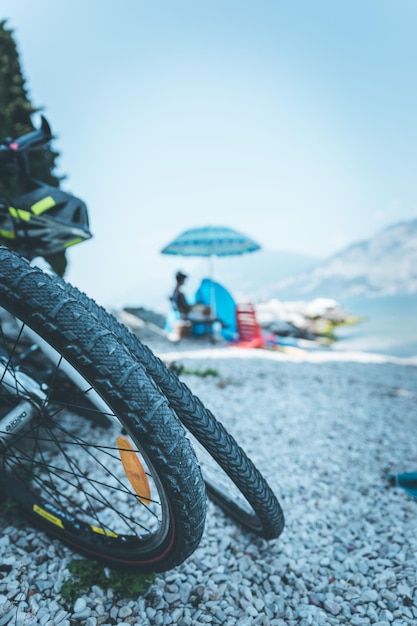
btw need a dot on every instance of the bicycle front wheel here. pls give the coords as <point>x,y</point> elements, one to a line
<point>89,447</point>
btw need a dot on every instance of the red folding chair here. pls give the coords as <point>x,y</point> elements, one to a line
<point>248,328</point>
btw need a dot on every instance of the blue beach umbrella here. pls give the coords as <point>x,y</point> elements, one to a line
<point>211,241</point>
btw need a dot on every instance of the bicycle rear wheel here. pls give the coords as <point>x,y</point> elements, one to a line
<point>232,479</point>
<point>103,463</point>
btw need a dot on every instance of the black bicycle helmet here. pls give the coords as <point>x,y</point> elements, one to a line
<point>44,221</point>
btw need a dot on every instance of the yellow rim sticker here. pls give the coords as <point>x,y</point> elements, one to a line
<point>48,516</point>
<point>101,531</point>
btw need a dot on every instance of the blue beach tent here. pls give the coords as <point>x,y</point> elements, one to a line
<point>225,310</point>
<point>208,291</point>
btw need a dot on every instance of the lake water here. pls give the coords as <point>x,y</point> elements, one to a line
<point>390,326</point>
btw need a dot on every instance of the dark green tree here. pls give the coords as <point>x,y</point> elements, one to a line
<point>16,108</point>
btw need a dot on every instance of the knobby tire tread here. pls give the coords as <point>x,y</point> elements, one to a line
<point>54,309</point>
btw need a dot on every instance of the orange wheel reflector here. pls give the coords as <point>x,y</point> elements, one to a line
<point>134,470</point>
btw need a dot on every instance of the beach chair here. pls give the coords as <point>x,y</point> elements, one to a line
<point>249,331</point>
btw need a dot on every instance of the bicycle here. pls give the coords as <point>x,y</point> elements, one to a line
<point>92,440</point>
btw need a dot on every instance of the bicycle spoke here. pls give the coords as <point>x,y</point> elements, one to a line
<point>61,482</point>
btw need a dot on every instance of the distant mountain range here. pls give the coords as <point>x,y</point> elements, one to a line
<point>249,275</point>
<point>384,265</point>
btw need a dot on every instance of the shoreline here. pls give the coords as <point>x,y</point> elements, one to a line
<point>290,354</point>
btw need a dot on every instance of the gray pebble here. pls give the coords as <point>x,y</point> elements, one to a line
<point>125,611</point>
<point>80,615</point>
<point>332,607</point>
<point>79,605</point>
<point>369,595</point>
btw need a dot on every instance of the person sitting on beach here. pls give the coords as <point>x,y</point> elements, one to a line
<point>195,312</point>
<point>178,299</point>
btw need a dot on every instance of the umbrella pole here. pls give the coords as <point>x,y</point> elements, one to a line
<point>212,293</point>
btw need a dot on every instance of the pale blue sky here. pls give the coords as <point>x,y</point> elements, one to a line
<point>292,120</point>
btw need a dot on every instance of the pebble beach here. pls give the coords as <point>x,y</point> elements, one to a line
<point>326,429</point>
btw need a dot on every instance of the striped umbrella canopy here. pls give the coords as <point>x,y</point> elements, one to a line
<point>211,241</point>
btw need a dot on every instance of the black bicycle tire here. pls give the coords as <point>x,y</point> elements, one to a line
<point>51,308</point>
<point>267,519</point>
